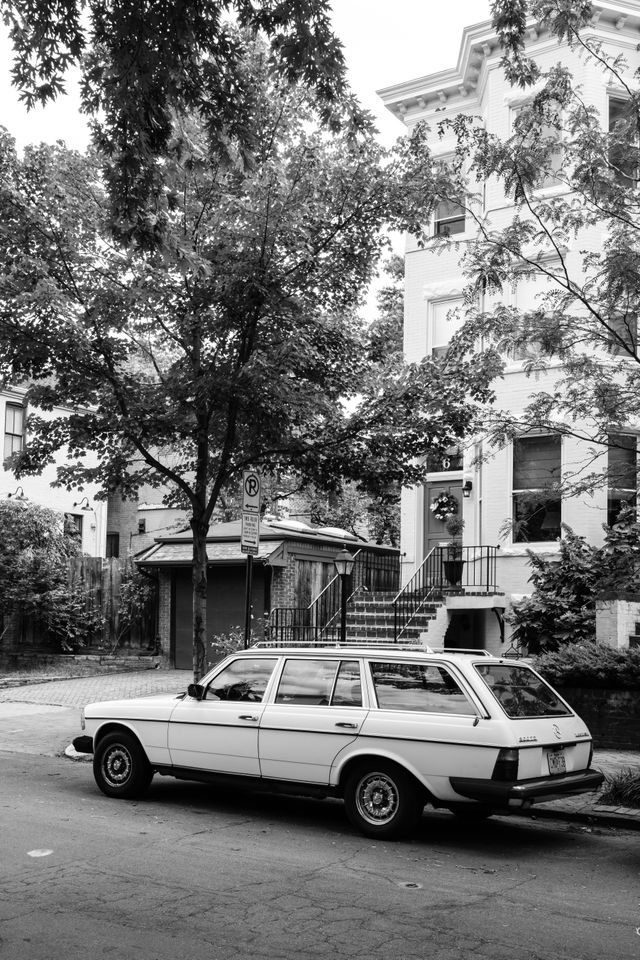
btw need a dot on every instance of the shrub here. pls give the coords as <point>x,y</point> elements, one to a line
<point>622,789</point>
<point>592,665</point>
<point>562,607</point>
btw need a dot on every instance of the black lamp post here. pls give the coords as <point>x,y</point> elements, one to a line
<point>344,565</point>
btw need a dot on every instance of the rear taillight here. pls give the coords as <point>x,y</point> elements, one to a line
<point>506,767</point>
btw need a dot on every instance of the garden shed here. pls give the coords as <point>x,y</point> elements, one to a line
<point>294,564</point>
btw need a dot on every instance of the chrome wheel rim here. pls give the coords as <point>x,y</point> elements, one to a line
<point>117,765</point>
<point>377,798</point>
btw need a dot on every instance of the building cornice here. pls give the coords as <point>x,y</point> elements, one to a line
<point>458,87</point>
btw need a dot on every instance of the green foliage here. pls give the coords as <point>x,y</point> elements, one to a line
<point>144,66</point>
<point>239,344</point>
<point>69,618</point>
<point>35,554</point>
<point>135,597</point>
<point>621,789</point>
<point>590,664</point>
<point>561,608</point>
<point>619,557</point>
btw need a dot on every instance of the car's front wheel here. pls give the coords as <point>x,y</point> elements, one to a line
<point>120,766</point>
<point>382,800</point>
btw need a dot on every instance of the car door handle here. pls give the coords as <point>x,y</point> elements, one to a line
<point>350,726</point>
<point>247,716</point>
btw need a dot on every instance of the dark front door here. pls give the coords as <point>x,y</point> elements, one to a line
<point>435,531</point>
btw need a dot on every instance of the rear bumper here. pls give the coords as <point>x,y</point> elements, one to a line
<point>518,792</point>
<point>83,744</point>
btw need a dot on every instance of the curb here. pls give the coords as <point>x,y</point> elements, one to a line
<point>591,818</point>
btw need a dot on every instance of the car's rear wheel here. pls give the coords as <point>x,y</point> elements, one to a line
<point>382,800</point>
<point>120,766</point>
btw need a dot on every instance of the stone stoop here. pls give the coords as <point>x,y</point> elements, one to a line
<point>371,616</point>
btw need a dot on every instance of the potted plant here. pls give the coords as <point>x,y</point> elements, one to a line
<point>454,564</point>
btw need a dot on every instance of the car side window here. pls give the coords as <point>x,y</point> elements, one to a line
<point>243,679</point>
<point>425,688</point>
<point>348,687</point>
<point>307,682</point>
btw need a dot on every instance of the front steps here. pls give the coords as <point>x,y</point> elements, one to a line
<point>370,616</point>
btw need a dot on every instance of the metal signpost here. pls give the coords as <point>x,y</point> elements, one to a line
<point>250,536</point>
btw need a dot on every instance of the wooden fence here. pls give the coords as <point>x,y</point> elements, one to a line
<point>99,583</point>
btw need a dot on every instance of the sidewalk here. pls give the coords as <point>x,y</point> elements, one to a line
<point>43,718</point>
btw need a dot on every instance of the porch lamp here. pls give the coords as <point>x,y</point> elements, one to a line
<point>18,493</point>
<point>83,504</point>
<point>344,562</point>
<point>467,487</point>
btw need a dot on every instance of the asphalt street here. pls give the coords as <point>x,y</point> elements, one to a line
<point>196,872</point>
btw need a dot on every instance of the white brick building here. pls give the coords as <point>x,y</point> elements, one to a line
<point>78,507</point>
<point>434,282</point>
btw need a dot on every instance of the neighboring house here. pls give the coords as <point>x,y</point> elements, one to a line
<point>491,493</point>
<point>294,564</point>
<point>83,515</point>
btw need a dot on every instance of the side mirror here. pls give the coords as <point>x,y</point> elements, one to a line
<point>195,691</point>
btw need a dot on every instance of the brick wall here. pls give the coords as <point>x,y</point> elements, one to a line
<point>612,716</point>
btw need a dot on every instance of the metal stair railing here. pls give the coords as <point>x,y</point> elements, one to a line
<point>320,620</point>
<point>448,569</point>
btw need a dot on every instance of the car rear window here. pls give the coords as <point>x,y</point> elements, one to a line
<point>520,692</point>
<point>426,688</point>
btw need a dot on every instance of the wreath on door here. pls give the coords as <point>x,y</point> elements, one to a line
<point>444,506</point>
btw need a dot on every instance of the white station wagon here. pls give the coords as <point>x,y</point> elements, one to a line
<point>387,729</point>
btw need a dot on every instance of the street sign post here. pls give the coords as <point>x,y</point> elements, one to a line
<point>250,536</point>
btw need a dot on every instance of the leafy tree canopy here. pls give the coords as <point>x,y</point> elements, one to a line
<point>238,342</point>
<point>143,65</point>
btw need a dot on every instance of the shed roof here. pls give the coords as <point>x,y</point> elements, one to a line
<point>223,543</point>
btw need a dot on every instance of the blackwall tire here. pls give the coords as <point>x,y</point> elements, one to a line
<point>120,766</point>
<point>382,800</point>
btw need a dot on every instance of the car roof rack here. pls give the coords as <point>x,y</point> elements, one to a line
<point>410,645</point>
<point>337,644</point>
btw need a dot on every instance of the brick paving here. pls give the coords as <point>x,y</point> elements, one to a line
<point>43,717</point>
<point>78,691</point>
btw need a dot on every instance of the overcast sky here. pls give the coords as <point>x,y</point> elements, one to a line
<point>386,42</point>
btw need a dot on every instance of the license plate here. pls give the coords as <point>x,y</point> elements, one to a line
<point>557,762</point>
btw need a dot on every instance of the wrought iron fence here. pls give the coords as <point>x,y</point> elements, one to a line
<point>320,621</point>
<point>448,569</point>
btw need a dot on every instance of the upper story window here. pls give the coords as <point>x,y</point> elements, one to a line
<point>544,135</point>
<point>445,318</point>
<point>536,471</point>
<point>449,219</point>
<point>623,149</point>
<point>622,474</point>
<point>13,429</point>
<point>622,338</point>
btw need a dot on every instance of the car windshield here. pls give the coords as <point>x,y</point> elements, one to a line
<point>520,692</point>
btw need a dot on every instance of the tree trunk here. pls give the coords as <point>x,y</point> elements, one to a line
<point>199,580</point>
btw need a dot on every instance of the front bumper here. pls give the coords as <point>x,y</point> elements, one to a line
<point>517,792</point>
<point>83,744</point>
